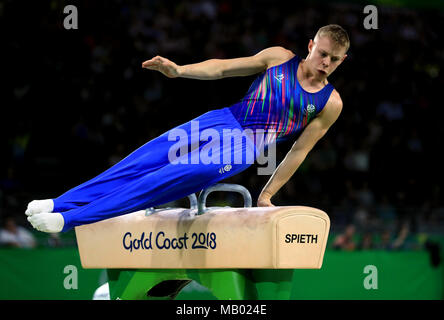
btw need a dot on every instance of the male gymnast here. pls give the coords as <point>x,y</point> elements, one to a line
<point>290,99</point>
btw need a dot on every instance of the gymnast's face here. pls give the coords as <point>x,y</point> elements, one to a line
<point>324,56</point>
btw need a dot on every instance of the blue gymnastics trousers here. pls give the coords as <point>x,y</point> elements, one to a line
<point>182,161</point>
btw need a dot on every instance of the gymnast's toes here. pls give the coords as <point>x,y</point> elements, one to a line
<point>39,206</point>
<point>51,222</point>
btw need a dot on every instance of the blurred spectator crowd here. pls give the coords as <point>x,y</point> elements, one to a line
<point>78,101</point>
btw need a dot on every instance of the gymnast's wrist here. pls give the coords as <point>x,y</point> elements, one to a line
<point>180,71</point>
<point>265,195</point>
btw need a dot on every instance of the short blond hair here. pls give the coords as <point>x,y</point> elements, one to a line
<point>336,33</point>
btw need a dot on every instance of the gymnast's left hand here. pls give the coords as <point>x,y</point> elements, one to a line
<point>163,65</point>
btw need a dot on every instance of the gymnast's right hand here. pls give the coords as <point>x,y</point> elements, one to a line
<point>161,64</point>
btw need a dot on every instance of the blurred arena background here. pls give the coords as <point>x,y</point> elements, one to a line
<point>74,102</point>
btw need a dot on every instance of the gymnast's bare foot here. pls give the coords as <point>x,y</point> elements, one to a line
<point>51,222</point>
<point>39,206</point>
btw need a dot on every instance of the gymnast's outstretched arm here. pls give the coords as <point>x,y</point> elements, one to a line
<point>220,68</point>
<point>298,152</point>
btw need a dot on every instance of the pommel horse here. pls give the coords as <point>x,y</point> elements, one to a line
<point>236,253</point>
